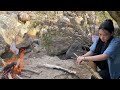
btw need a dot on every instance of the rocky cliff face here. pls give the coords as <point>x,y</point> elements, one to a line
<point>54,29</point>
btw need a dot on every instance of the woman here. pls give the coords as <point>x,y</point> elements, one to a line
<point>105,52</point>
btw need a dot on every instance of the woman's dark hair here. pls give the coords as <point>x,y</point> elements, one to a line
<point>107,25</point>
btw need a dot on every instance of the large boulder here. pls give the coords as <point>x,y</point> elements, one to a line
<point>116,16</point>
<point>8,24</point>
<point>59,46</point>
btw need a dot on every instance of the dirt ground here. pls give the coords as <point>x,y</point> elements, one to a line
<point>33,70</point>
<point>33,62</point>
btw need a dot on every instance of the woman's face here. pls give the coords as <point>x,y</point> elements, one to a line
<point>104,35</point>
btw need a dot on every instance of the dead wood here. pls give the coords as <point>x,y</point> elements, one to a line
<point>18,77</point>
<point>9,75</point>
<point>57,67</point>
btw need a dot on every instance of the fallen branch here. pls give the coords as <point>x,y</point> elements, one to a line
<point>94,73</point>
<point>33,71</point>
<point>57,67</point>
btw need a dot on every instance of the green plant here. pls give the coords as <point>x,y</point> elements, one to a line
<point>47,41</point>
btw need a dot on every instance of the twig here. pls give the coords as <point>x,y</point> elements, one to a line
<point>91,70</point>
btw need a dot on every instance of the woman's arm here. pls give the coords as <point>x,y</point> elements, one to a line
<point>96,57</point>
<point>92,58</point>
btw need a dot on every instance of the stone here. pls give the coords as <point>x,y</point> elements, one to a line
<point>76,47</point>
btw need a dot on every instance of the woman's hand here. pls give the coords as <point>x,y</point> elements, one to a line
<point>79,59</point>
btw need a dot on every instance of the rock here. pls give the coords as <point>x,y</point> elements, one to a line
<point>24,42</point>
<point>7,55</point>
<point>77,48</point>
<point>32,33</point>
<point>36,44</point>
<point>63,22</point>
<point>18,29</point>
<point>14,49</point>
<point>3,12</point>
<point>68,14</point>
<point>76,20</point>
<point>59,46</point>
<point>65,19</point>
<point>22,16</point>
<point>117,31</point>
<point>22,30</point>
<point>30,44</point>
<point>2,45</point>
<point>7,27</point>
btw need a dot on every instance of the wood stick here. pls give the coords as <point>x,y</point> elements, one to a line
<point>9,76</point>
<point>18,63</point>
<point>91,70</point>
<point>18,77</point>
<point>4,63</point>
<point>57,67</point>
